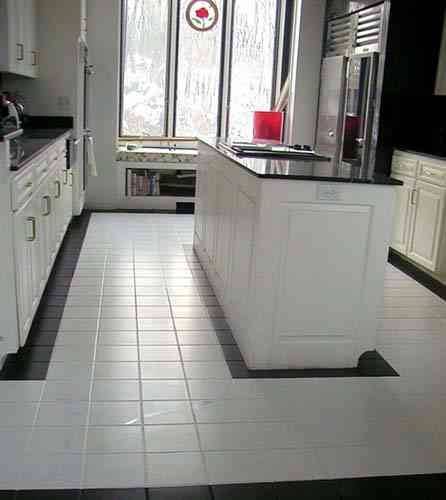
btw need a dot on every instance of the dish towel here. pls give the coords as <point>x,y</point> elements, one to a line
<point>91,157</point>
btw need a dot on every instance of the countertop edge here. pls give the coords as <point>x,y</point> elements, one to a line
<point>51,141</point>
<point>385,181</point>
<point>420,153</point>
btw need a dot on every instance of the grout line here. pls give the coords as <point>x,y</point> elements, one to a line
<point>93,366</point>
<point>189,395</point>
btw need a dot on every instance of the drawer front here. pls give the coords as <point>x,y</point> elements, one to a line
<point>404,166</point>
<point>23,187</point>
<point>52,156</point>
<point>41,169</point>
<point>433,173</point>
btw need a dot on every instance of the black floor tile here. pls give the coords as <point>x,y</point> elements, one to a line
<point>232,353</point>
<point>38,338</point>
<point>7,495</point>
<point>23,370</point>
<point>183,493</point>
<point>48,495</point>
<point>35,354</point>
<point>244,492</point>
<point>417,274</point>
<point>225,337</point>
<point>114,494</point>
<point>53,300</point>
<point>46,311</point>
<point>47,324</point>
<point>307,490</point>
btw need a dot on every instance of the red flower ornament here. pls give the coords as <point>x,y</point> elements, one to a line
<point>202,13</point>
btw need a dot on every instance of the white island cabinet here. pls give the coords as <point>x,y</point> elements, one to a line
<point>296,253</point>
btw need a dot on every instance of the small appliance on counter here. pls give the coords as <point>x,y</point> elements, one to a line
<point>256,150</point>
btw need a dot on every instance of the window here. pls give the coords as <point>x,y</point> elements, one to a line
<point>177,81</point>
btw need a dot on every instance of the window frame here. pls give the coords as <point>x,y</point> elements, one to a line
<point>281,49</point>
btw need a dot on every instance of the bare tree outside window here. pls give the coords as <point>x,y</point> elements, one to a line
<point>198,78</point>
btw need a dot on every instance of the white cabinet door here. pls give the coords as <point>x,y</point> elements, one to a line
<point>44,204</point>
<point>224,233</point>
<point>31,50</point>
<point>403,214</point>
<point>27,261</point>
<point>18,37</point>
<point>427,225</point>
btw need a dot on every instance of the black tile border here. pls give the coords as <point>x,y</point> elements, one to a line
<point>32,360</point>
<point>403,487</point>
<point>417,274</point>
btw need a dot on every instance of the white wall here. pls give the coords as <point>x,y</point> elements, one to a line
<point>53,93</point>
<point>104,47</point>
<point>306,69</point>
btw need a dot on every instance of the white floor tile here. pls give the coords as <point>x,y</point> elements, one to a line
<point>171,438</point>
<point>157,338</point>
<point>116,370</point>
<point>17,414</point>
<point>67,390</point>
<point>164,390</point>
<point>117,324</point>
<point>155,324</point>
<point>175,469</point>
<point>159,353</point>
<point>66,413</point>
<point>114,439</point>
<point>12,391</point>
<point>198,338</point>
<point>46,440</point>
<point>121,470</point>
<point>167,412</point>
<point>202,353</point>
<point>207,370</point>
<point>108,353</point>
<point>261,466</point>
<point>118,413</point>
<point>117,338</point>
<point>69,371</point>
<point>115,390</point>
<point>161,370</point>
<point>61,471</point>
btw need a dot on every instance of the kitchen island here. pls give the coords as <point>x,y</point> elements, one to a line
<point>296,252</point>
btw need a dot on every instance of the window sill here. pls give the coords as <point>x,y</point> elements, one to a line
<point>143,153</point>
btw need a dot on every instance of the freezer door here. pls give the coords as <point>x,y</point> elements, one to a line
<point>331,106</point>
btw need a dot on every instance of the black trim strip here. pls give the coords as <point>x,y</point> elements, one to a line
<point>425,486</point>
<point>417,274</point>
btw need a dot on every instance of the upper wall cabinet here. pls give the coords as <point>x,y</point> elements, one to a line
<point>440,88</point>
<point>18,38</point>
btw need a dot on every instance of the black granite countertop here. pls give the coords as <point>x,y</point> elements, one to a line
<point>268,168</point>
<point>422,153</point>
<point>36,141</point>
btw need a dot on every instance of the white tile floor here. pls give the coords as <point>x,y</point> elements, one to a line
<point>138,392</point>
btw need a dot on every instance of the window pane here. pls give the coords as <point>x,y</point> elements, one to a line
<point>145,67</point>
<point>198,77</point>
<point>252,63</point>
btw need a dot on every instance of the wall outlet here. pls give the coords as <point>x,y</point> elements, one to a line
<point>63,103</point>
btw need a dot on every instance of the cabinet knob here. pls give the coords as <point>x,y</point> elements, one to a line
<point>47,200</point>
<point>59,189</point>
<point>32,221</point>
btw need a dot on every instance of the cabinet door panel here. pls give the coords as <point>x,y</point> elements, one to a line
<point>427,225</point>
<point>242,252</point>
<point>26,247</point>
<point>225,197</point>
<point>403,214</point>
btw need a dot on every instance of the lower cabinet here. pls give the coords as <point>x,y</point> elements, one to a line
<point>419,230</point>
<point>428,216</point>
<point>29,273</point>
<point>403,213</point>
<point>39,226</point>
